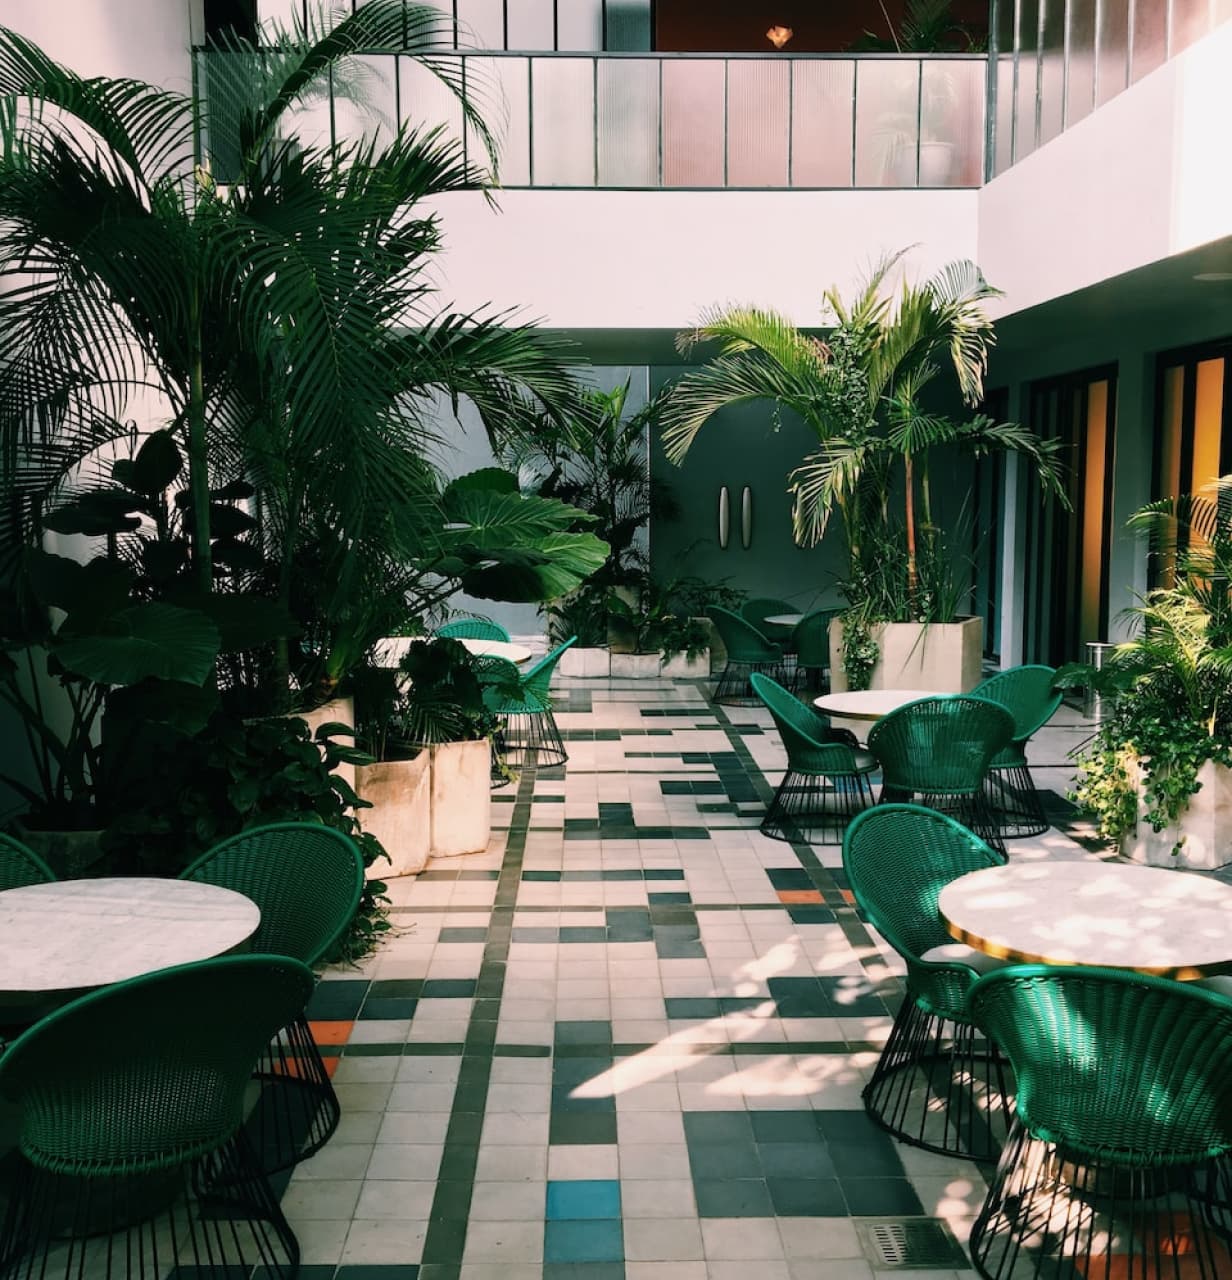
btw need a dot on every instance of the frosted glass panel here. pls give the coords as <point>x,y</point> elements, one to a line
<point>822,122</point>
<point>887,135</point>
<point>693,123</point>
<point>1191,20</point>
<point>481,24</point>
<point>579,24</point>
<point>530,24</point>
<point>1112,50</point>
<point>287,12</point>
<point>1080,80</point>
<point>426,102</point>
<point>1150,45</point>
<point>1028,78</point>
<point>498,87</point>
<point>629,123</point>
<point>1052,71</point>
<point>758,124</point>
<point>951,123</point>
<point>564,109</point>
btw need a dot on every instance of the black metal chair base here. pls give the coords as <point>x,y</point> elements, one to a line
<point>1011,794</point>
<point>1052,1213</point>
<point>298,1110</point>
<point>734,689</point>
<point>815,809</point>
<point>969,808</point>
<point>532,738</point>
<point>938,1087</point>
<point>217,1218</point>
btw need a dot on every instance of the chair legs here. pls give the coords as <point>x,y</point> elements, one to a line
<point>734,688</point>
<point>937,1087</point>
<point>1011,794</point>
<point>806,804</point>
<point>217,1218</point>
<point>532,737</point>
<point>1054,1213</point>
<point>970,808</point>
<point>298,1110</point>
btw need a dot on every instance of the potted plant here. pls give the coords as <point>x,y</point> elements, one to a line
<point>1157,775</point>
<point>662,632</point>
<point>865,393</point>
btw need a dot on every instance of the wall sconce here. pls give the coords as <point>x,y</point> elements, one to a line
<point>746,517</point>
<point>779,36</point>
<point>724,518</point>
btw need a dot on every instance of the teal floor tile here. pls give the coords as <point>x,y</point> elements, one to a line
<point>583,1242</point>
<point>590,1198</point>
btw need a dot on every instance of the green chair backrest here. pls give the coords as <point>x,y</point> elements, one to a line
<point>940,746</point>
<point>306,878</point>
<point>1026,693</point>
<point>811,638</point>
<point>20,865</point>
<point>807,735</point>
<point>757,610</point>
<point>742,640</point>
<point>898,858</point>
<point>150,1073</point>
<point>1127,1068</point>
<point>538,680</point>
<point>473,629</point>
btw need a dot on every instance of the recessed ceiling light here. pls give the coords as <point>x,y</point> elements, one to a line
<point>1208,277</point>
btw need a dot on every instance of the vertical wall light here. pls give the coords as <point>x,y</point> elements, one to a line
<point>724,517</point>
<point>746,517</point>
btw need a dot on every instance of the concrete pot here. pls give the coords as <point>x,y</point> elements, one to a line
<point>650,666</point>
<point>1204,830</point>
<point>681,667</point>
<point>461,798</point>
<point>586,664</point>
<point>942,657</point>
<point>400,792</point>
<point>70,854</point>
<point>336,711</point>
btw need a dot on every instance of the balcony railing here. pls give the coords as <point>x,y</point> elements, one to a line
<point>639,121</point>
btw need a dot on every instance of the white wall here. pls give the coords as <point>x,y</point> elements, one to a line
<point>1144,177</point>
<point>654,259</point>
<point>144,39</point>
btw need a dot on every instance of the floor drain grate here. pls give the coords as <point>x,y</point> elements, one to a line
<point>910,1244</point>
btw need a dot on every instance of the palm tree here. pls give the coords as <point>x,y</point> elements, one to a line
<point>862,392</point>
<point>282,320</point>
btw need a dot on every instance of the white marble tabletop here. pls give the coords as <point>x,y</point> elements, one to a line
<point>785,619</point>
<point>1148,919</point>
<point>869,704</point>
<point>71,935</point>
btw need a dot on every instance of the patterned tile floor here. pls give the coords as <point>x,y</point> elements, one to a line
<point>628,1042</point>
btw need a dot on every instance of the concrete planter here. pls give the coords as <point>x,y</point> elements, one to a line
<point>585,664</point>
<point>650,666</point>
<point>1204,830</point>
<point>943,657</point>
<point>461,798</point>
<point>70,854</point>
<point>400,792</point>
<point>336,711</point>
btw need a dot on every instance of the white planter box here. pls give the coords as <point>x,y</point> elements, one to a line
<point>586,664</point>
<point>942,657</point>
<point>1204,831</point>
<point>400,792</point>
<point>650,666</point>
<point>340,711</point>
<point>461,798</point>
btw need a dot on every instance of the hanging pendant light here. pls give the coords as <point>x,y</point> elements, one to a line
<point>779,36</point>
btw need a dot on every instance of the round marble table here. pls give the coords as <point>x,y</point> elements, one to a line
<point>72,935</point>
<point>785,619</point>
<point>869,704</point>
<point>1148,919</point>
<point>518,653</point>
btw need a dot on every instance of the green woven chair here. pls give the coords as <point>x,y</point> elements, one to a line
<point>528,732</point>
<point>473,629</point>
<point>1027,694</point>
<point>811,642</point>
<point>20,866</point>
<point>307,879</point>
<point>748,651</point>
<point>938,1084</point>
<point>502,683</point>
<point>756,611</point>
<point>827,779</point>
<point>133,1154</point>
<point>1118,1161</point>
<point>939,750</point>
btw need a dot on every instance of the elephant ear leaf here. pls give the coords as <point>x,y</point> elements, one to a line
<point>487,479</point>
<point>142,642</point>
<point>561,562</point>
<point>156,465</point>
